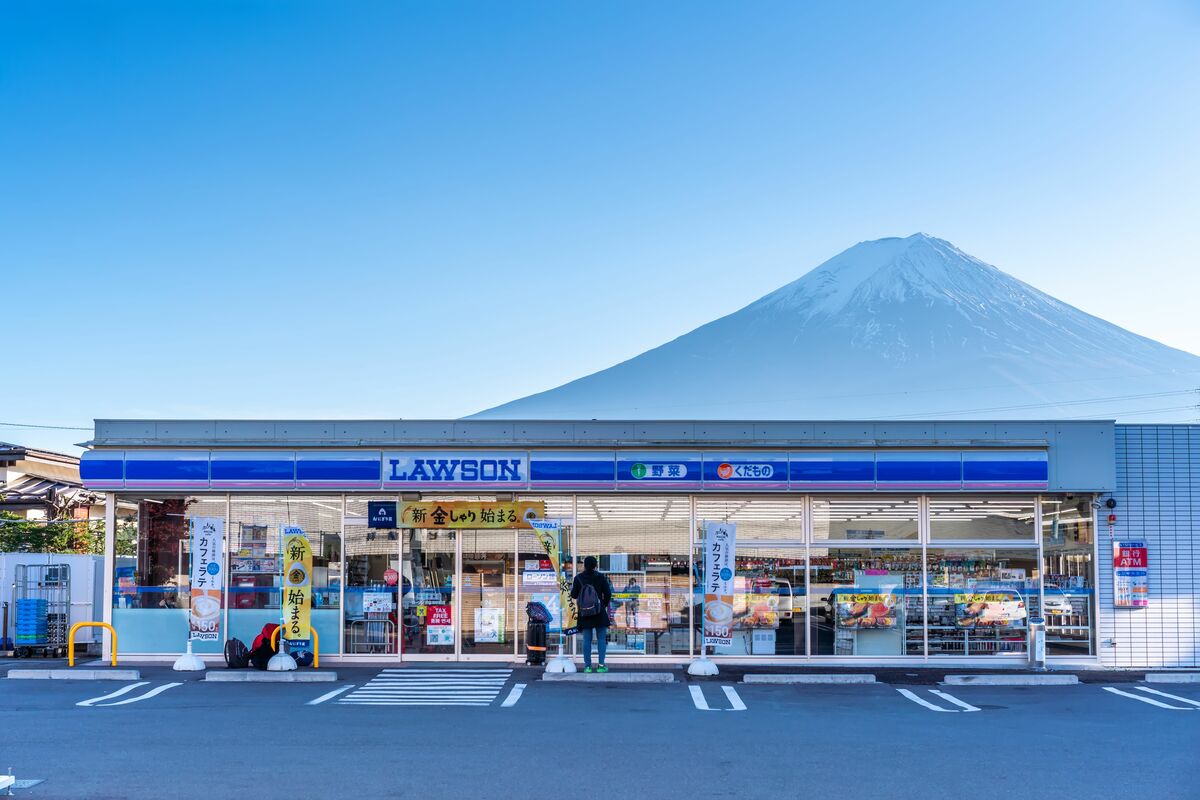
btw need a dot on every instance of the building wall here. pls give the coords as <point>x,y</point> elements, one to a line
<point>1158,499</point>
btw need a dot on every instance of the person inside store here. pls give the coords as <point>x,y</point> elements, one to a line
<point>631,591</point>
<point>593,593</point>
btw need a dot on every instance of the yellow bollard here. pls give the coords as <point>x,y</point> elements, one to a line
<point>316,645</point>
<point>71,640</point>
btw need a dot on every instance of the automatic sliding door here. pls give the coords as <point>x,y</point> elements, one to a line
<point>429,613</point>
<point>487,594</point>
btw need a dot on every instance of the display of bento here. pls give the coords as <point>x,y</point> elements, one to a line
<point>993,609</point>
<point>863,610</point>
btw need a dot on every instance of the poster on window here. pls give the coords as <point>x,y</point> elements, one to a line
<point>297,587</point>
<point>989,610</point>
<point>489,626</point>
<point>439,625</point>
<point>861,610</point>
<point>720,552</point>
<point>1131,574</point>
<point>208,581</point>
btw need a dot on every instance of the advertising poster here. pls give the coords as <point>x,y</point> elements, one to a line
<point>208,581</point>
<point>865,609</point>
<point>720,550</point>
<point>1131,574</point>
<point>439,625</point>
<point>297,587</point>
<point>549,533</point>
<point>489,625</point>
<point>989,610</point>
<point>476,516</point>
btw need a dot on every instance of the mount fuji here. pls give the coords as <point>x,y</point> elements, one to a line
<point>894,328</point>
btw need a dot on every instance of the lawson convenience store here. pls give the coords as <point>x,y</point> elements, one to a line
<point>856,542</point>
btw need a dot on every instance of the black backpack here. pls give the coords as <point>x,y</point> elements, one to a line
<point>589,600</point>
<point>236,654</point>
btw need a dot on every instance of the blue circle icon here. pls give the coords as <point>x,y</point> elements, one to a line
<point>213,568</point>
<point>726,574</point>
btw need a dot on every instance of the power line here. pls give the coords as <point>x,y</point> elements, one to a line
<point>43,427</point>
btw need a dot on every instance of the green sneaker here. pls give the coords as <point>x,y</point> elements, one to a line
<point>587,669</point>
<point>601,668</point>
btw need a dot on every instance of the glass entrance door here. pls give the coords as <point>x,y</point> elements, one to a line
<point>487,595</point>
<point>429,606</point>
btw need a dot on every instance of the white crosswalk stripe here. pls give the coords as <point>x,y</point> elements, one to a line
<point>430,687</point>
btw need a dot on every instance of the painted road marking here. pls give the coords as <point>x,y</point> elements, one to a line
<point>141,697</point>
<point>117,693</point>
<point>734,699</point>
<point>952,699</point>
<point>1149,700</point>
<point>923,702</point>
<point>449,687</point>
<point>328,696</point>
<point>702,704</point>
<point>513,696</point>
<point>1168,696</point>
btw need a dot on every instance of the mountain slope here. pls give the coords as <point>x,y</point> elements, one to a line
<point>889,328</point>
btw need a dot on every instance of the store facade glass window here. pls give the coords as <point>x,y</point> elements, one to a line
<point>642,543</point>
<point>1069,578</point>
<point>152,587</point>
<point>255,535</point>
<point>770,601</point>
<point>371,622</point>
<point>980,600</point>
<point>535,574</point>
<point>867,518</point>
<point>865,601</point>
<point>982,518</point>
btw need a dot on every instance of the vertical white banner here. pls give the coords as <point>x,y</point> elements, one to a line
<point>208,578</point>
<point>720,559</point>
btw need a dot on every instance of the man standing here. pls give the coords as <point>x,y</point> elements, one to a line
<point>593,592</point>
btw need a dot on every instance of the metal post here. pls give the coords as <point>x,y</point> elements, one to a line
<point>110,560</point>
<point>1037,643</point>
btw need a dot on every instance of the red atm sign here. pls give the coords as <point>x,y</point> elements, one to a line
<point>1130,555</point>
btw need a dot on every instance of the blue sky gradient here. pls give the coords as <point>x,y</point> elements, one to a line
<point>245,209</point>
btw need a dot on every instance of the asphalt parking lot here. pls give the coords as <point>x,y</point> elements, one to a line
<point>441,732</point>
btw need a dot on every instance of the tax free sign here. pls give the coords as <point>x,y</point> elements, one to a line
<point>455,469</point>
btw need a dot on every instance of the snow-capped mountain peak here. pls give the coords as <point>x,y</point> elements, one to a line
<point>889,328</point>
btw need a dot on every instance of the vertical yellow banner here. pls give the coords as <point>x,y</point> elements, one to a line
<point>297,587</point>
<point>548,534</point>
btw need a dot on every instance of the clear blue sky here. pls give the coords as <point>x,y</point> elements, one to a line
<point>244,209</point>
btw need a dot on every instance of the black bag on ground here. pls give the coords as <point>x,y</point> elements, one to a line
<point>237,655</point>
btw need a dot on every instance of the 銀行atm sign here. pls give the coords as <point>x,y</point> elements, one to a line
<point>1130,555</point>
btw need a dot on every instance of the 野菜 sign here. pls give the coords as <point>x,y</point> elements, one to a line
<point>204,618</point>
<point>720,550</point>
<point>865,609</point>
<point>1131,574</point>
<point>464,514</point>
<point>989,610</point>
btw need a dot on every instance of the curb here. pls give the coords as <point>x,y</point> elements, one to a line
<point>1173,677</point>
<point>609,677</point>
<point>809,678</point>
<point>257,676</point>
<point>1010,680</point>
<point>75,674</point>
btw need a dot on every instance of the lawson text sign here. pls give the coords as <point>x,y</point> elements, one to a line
<point>466,469</point>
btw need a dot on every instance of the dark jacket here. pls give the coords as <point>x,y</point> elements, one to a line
<point>599,582</point>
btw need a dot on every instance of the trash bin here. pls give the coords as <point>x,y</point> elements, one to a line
<point>535,633</point>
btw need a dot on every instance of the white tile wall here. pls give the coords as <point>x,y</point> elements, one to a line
<point>1158,499</point>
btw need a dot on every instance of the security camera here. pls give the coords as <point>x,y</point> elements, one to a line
<point>1096,505</point>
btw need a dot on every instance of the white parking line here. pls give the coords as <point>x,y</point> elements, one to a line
<point>328,696</point>
<point>513,696</point>
<point>117,693</point>
<point>140,697</point>
<point>698,698</point>
<point>923,702</point>
<point>1149,700</point>
<point>734,699</point>
<point>949,698</point>
<point>1168,696</point>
